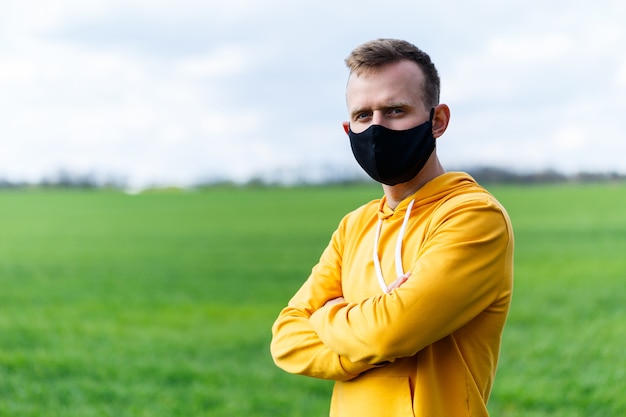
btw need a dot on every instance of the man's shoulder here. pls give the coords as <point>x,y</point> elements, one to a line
<point>460,188</point>
<point>364,212</point>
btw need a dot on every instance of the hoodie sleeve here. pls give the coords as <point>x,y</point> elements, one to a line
<point>295,345</point>
<point>463,270</point>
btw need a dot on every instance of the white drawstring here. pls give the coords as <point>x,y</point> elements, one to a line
<point>398,256</point>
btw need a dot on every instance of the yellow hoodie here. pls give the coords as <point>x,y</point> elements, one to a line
<point>428,348</point>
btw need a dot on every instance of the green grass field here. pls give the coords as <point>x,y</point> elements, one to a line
<point>160,304</point>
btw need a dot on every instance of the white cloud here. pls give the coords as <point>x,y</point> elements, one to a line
<point>172,91</point>
<point>570,138</point>
<point>225,61</point>
<point>620,75</point>
<point>528,50</point>
<point>16,70</point>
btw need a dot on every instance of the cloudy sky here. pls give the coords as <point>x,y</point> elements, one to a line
<point>176,92</point>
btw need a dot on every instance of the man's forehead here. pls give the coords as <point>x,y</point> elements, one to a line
<point>383,88</point>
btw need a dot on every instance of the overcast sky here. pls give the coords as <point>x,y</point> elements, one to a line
<point>176,92</point>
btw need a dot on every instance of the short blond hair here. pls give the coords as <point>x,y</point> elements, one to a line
<point>374,54</point>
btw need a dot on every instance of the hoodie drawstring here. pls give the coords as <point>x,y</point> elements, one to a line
<point>398,256</point>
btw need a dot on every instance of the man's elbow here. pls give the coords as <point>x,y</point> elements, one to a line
<point>291,357</point>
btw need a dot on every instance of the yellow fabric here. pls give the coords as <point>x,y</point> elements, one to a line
<point>428,348</point>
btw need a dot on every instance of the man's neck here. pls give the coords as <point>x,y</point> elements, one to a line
<point>396,193</point>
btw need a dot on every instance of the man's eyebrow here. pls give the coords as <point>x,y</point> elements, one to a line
<point>359,110</point>
<point>395,105</point>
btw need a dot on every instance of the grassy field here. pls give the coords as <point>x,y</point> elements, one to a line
<point>160,304</point>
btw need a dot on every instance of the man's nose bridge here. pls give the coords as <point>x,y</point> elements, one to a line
<point>377,117</point>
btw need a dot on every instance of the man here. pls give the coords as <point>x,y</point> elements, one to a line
<point>406,306</point>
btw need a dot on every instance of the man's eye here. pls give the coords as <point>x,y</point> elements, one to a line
<point>363,115</point>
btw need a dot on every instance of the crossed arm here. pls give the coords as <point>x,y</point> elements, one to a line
<point>456,277</point>
<point>395,284</point>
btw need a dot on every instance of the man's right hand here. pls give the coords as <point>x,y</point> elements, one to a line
<point>398,282</point>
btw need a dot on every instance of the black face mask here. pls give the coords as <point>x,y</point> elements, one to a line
<point>393,156</point>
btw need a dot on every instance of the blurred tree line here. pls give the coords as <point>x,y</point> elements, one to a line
<point>484,175</point>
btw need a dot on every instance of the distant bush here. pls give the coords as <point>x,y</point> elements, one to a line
<point>486,175</point>
<point>491,175</point>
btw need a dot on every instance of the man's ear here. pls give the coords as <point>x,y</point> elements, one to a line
<point>346,127</point>
<point>441,118</point>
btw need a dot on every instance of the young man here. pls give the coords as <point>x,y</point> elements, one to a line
<point>406,306</point>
